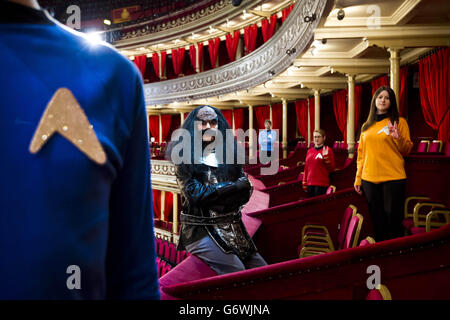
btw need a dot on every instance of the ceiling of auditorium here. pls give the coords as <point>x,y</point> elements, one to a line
<point>358,45</point>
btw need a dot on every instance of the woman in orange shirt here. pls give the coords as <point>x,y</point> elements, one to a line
<point>380,165</point>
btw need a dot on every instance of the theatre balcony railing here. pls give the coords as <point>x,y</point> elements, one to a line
<point>272,58</point>
<point>163,179</point>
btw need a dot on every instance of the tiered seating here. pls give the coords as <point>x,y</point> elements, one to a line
<point>342,274</point>
<point>367,242</point>
<point>314,245</point>
<point>331,189</point>
<point>314,277</point>
<point>381,292</point>
<point>283,176</point>
<point>435,146</point>
<point>168,256</point>
<point>287,220</point>
<point>414,220</point>
<point>163,267</point>
<point>165,225</point>
<point>293,191</point>
<point>423,217</point>
<point>296,158</point>
<point>158,150</point>
<point>432,147</point>
<point>423,146</point>
<point>316,238</point>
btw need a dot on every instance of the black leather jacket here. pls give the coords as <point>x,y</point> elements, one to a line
<point>211,205</point>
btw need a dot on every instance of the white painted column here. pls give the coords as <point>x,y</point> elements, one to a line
<point>284,128</point>
<point>163,204</point>
<point>309,126</point>
<point>197,58</point>
<point>351,116</point>
<point>175,213</point>
<point>316,109</point>
<point>182,118</point>
<point>160,129</point>
<point>250,127</point>
<point>395,72</point>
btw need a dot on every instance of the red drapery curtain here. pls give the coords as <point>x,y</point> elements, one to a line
<point>157,204</point>
<point>178,60</point>
<point>163,62</point>
<point>434,81</point>
<point>268,27</point>
<point>340,107</point>
<point>358,102</point>
<point>228,114</point>
<point>168,205</point>
<point>232,43</point>
<point>301,109</point>
<point>311,115</point>
<point>340,111</point>
<point>200,56</point>
<point>213,46</point>
<point>238,118</point>
<point>166,120</point>
<point>141,63</point>
<point>277,117</point>
<point>285,13</point>
<point>379,82</point>
<point>262,114</point>
<point>154,127</point>
<point>403,99</point>
<point>155,61</point>
<point>250,34</point>
<point>192,51</point>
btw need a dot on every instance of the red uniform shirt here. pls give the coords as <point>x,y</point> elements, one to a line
<point>318,167</point>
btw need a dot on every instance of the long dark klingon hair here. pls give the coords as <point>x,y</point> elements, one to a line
<point>224,169</point>
<point>392,112</point>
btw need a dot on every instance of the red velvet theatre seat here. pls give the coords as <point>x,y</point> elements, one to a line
<point>420,260</point>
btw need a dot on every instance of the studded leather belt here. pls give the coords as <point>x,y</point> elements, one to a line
<point>232,217</point>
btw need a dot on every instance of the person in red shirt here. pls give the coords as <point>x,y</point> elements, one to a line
<point>318,165</point>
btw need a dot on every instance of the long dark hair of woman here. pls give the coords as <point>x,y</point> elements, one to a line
<point>392,112</point>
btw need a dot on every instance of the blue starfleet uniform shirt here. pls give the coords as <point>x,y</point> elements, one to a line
<point>58,208</point>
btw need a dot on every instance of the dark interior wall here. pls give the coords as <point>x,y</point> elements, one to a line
<point>418,128</point>
<point>328,120</point>
<point>291,123</point>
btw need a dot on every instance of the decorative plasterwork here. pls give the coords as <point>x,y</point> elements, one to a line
<point>183,26</point>
<point>270,59</point>
<point>163,176</point>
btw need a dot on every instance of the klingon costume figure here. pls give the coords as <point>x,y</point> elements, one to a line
<point>213,194</point>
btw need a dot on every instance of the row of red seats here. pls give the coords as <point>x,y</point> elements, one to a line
<point>165,225</point>
<point>336,145</point>
<point>161,145</point>
<point>168,251</point>
<point>433,146</point>
<point>163,267</point>
<point>316,238</point>
<point>315,277</point>
<point>422,214</point>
